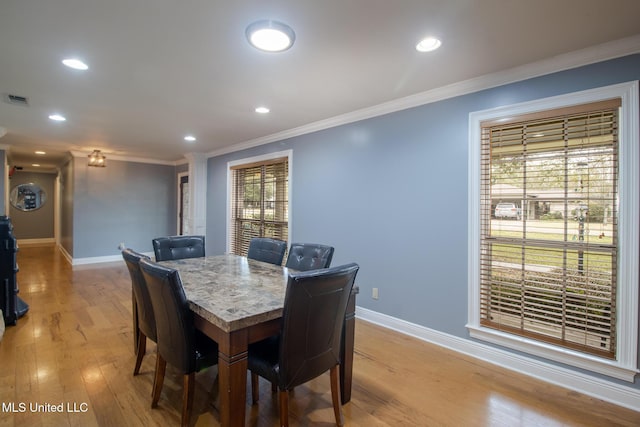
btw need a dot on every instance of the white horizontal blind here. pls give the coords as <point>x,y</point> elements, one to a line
<point>259,203</point>
<point>549,219</point>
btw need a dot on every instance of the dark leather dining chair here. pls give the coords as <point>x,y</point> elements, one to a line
<point>179,343</point>
<point>267,249</point>
<point>178,247</point>
<point>146,319</point>
<point>309,256</point>
<point>309,341</point>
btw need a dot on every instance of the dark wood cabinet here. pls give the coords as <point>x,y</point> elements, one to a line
<point>12,306</point>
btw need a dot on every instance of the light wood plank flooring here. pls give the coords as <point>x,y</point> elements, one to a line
<point>75,348</point>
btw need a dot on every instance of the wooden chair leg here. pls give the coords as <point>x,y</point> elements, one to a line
<point>142,349</point>
<point>255,388</point>
<point>284,408</point>
<point>187,397</point>
<point>155,377</point>
<point>335,395</point>
<point>161,366</point>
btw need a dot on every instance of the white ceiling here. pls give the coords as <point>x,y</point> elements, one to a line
<point>161,69</point>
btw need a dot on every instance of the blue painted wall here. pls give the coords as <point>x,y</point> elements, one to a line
<point>391,194</point>
<point>123,202</point>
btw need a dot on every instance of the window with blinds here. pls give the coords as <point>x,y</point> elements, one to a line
<point>549,226</point>
<point>259,203</point>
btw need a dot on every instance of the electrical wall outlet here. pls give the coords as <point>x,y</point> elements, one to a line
<point>374,293</point>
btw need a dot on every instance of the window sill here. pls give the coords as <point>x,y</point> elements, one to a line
<point>611,368</point>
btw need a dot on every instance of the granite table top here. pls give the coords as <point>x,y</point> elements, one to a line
<point>232,292</point>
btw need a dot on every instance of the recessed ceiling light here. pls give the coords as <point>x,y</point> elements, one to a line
<point>270,36</point>
<point>428,44</point>
<point>75,63</point>
<point>35,165</point>
<point>262,110</point>
<point>41,153</point>
<point>57,118</point>
<point>190,138</point>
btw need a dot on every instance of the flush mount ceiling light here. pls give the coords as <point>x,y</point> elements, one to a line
<point>40,153</point>
<point>428,44</point>
<point>270,36</point>
<point>97,159</point>
<point>75,63</point>
<point>57,118</point>
<point>190,138</point>
<point>262,110</point>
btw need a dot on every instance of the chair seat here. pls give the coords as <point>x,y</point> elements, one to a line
<point>143,317</point>
<point>179,342</point>
<point>309,341</point>
<point>263,358</point>
<point>206,351</point>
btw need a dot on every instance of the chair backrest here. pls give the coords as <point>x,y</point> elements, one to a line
<point>309,256</point>
<point>174,319</point>
<point>314,309</point>
<point>146,319</point>
<point>267,249</point>
<point>178,247</point>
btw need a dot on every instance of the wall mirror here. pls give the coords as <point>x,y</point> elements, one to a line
<point>27,197</point>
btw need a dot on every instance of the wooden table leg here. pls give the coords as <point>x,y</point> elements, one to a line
<point>346,348</point>
<point>232,371</point>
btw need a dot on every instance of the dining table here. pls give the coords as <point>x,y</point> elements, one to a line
<point>237,301</point>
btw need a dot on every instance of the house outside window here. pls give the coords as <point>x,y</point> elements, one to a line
<point>259,200</point>
<point>553,258</point>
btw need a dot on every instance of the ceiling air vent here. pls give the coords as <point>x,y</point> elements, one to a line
<point>15,99</point>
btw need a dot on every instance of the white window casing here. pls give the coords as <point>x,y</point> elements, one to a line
<point>624,366</point>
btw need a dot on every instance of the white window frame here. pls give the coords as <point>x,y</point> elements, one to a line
<point>262,158</point>
<point>625,365</point>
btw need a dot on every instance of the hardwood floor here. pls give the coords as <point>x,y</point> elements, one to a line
<point>75,349</point>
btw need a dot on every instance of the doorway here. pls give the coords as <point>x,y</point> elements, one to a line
<point>183,204</point>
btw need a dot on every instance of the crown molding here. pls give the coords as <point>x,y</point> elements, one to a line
<point>129,159</point>
<point>590,55</point>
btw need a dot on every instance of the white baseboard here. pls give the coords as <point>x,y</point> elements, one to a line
<point>103,259</point>
<point>66,254</point>
<point>89,260</point>
<point>96,260</point>
<point>599,388</point>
